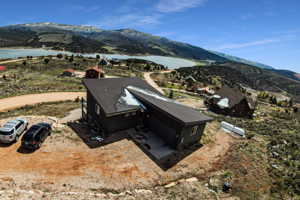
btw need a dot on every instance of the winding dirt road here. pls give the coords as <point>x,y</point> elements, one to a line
<point>14,60</point>
<point>150,81</point>
<point>32,99</point>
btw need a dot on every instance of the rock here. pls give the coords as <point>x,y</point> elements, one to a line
<point>143,191</point>
<point>54,119</point>
<point>191,180</point>
<point>170,185</point>
<point>215,184</point>
<point>56,125</point>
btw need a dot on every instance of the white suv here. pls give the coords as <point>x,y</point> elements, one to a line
<point>12,130</point>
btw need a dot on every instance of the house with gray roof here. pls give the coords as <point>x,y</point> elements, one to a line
<point>124,104</point>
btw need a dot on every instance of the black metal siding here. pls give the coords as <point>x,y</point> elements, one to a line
<point>188,138</point>
<point>164,126</point>
<point>121,122</point>
<point>114,123</point>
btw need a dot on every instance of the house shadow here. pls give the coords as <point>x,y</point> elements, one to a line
<point>171,160</point>
<point>164,161</point>
<point>93,139</point>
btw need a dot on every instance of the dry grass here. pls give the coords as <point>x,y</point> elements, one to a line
<point>55,109</point>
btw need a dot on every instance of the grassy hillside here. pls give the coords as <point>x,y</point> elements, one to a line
<point>91,40</point>
<point>237,73</point>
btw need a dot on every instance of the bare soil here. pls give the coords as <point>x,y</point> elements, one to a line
<point>194,103</point>
<point>65,162</point>
<point>32,99</point>
<point>150,81</point>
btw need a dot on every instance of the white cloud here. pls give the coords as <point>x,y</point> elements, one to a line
<point>128,20</point>
<point>90,8</point>
<point>167,6</point>
<point>166,34</point>
<point>247,44</point>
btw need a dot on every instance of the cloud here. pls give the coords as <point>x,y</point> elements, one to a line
<point>128,20</point>
<point>167,6</point>
<point>166,34</point>
<point>81,8</point>
<point>247,44</point>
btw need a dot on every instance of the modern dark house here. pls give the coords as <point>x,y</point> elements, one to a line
<point>157,123</point>
<point>231,101</point>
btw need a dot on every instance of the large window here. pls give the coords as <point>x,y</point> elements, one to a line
<point>194,130</point>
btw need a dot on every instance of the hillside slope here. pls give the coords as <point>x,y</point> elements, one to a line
<point>89,39</point>
<point>125,41</point>
<point>241,60</point>
<point>247,75</point>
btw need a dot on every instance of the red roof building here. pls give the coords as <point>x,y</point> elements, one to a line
<point>2,68</point>
<point>70,70</point>
<point>94,72</point>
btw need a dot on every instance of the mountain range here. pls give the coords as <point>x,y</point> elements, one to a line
<point>89,39</point>
<point>76,38</point>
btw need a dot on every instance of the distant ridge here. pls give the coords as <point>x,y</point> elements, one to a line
<point>90,39</point>
<point>73,38</point>
<point>241,60</point>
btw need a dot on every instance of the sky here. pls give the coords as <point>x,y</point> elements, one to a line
<point>266,31</point>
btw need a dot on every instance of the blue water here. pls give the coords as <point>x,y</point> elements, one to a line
<point>171,63</point>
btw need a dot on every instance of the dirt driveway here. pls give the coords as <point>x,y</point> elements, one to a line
<point>20,101</point>
<point>150,81</point>
<point>65,160</point>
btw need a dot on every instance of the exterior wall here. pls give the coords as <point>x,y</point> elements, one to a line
<point>242,110</point>
<point>92,74</point>
<point>164,126</point>
<point>121,122</point>
<point>188,138</point>
<point>110,124</point>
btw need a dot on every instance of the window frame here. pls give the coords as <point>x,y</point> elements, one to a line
<point>194,130</point>
<point>97,109</point>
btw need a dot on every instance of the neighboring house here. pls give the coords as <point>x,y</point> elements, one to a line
<point>120,104</point>
<point>94,73</point>
<point>69,73</point>
<point>103,62</point>
<point>230,101</point>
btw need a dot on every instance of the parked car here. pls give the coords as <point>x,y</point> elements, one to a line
<point>12,130</point>
<point>36,135</point>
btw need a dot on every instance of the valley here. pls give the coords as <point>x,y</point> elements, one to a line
<point>44,66</point>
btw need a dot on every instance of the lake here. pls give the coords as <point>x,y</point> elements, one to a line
<point>170,62</point>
